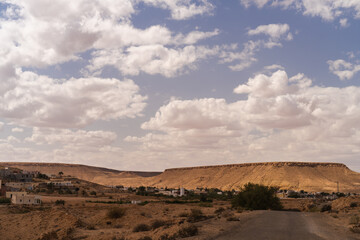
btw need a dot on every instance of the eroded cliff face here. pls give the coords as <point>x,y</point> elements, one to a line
<point>286,175</point>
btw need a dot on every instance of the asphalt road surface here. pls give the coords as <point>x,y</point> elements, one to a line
<point>281,225</point>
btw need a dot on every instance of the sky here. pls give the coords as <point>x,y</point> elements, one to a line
<point>154,84</point>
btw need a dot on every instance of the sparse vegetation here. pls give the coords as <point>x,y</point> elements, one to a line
<point>354,220</point>
<point>158,223</point>
<point>257,197</point>
<point>325,208</point>
<point>145,238</point>
<point>233,219</point>
<point>188,231</point>
<point>60,202</point>
<point>219,210</point>
<point>5,200</point>
<point>353,204</point>
<point>115,213</point>
<point>142,227</point>
<point>196,215</point>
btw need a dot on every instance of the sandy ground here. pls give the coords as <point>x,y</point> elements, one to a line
<point>81,219</point>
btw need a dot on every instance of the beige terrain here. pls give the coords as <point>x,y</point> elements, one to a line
<point>312,177</point>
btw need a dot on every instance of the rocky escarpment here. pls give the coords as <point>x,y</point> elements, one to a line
<point>306,176</point>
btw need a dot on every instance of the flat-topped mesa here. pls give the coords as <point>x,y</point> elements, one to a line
<point>272,164</point>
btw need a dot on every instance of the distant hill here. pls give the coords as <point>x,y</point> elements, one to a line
<point>88,173</point>
<point>287,175</point>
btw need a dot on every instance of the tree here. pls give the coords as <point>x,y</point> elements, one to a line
<point>61,173</point>
<point>257,197</point>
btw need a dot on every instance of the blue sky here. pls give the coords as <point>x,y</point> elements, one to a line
<point>155,84</point>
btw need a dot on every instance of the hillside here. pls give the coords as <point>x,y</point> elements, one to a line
<point>89,173</point>
<point>287,175</point>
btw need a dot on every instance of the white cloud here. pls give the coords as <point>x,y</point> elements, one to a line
<point>328,10</point>
<point>344,22</point>
<point>276,33</point>
<point>282,119</point>
<point>151,59</point>
<point>274,67</point>
<point>183,9</point>
<point>17,129</point>
<point>37,100</point>
<point>71,139</point>
<point>42,35</point>
<point>344,70</point>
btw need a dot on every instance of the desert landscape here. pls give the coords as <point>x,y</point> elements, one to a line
<point>87,210</point>
<point>179,119</point>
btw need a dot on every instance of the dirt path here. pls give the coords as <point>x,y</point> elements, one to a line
<point>282,225</point>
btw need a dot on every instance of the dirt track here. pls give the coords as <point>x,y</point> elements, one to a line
<point>281,225</point>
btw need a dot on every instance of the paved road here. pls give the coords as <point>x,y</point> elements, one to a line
<point>280,225</point>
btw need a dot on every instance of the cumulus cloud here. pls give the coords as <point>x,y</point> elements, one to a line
<point>151,59</point>
<point>283,118</point>
<point>326,9</point>
<point>183,9</point>
<point>36,34</point>
<point>276,33</point>
<point>343,69</point>
<point>37,100</point>
<point>16,129</point>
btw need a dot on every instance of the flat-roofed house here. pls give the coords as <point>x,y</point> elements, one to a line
<point>23,198</point>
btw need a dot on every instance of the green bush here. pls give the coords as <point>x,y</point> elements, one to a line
<point>115,213</point>
<point>141,228</point>
<point>257,197</point>
<point>188,231</point>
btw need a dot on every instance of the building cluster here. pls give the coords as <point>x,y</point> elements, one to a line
<point>16,184</point>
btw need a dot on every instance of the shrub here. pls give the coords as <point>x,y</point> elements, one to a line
<point>219,210</point>
<point>325,208</point>
<point>145,238</point>
<point>196,215</point>
<point>189,231</point>
<point>141,228</point>
<point>60,202</point>
<point>232,219</point>
<point>5,200</point>
<point>158,223</point>
<point>167,237</point>
<point>183,214</point>
<point>353,204</point>
<point>354,220</point>
<point>115,213</point>
<point>93,193</point>
<point>257,197</point>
